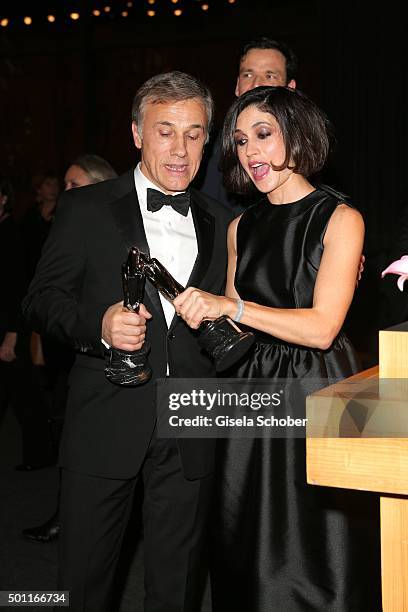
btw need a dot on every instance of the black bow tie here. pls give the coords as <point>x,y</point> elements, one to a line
<point>156,200</point>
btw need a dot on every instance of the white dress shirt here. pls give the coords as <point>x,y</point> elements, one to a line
<point>171,238</point>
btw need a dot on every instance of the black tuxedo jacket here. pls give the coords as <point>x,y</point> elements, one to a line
<point>107,428</point>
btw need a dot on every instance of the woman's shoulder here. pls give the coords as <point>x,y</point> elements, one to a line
<point>329,202</point>
<point>338,205</point>
<point>336,202</point>
<point>345,219</point>
<point>245,222</point>
<point>334,195</point>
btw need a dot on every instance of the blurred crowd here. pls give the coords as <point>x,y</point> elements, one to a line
<point>34,370</point>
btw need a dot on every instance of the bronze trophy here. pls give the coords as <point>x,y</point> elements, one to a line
<point>125,368</point>
<point>221,338</point>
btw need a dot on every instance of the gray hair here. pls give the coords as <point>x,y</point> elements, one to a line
<point>172,86</point>
<point>97,168</point>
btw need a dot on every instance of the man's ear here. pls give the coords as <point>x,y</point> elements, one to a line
<point>237,88</point>
<point>136,136</point>
<point>292,84</point>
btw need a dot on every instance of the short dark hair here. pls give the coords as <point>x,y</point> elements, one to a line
<point>172,86</point>
<point>263,42</point>
<point>305,129</point>
<point>97,168</point>
<point>6,189</point>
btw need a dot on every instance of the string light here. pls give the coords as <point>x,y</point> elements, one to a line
<point>109,9</point>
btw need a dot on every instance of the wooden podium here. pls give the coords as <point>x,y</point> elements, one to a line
<point>357,438</point>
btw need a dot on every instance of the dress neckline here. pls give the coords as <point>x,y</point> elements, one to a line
<point>291,209</point>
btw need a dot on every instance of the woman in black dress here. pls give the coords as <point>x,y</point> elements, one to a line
<point>283,545</point>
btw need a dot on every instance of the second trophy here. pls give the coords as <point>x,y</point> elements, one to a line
<point>220,338</point>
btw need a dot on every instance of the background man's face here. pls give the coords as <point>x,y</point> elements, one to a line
<point>262,67</point>
<point>171,142</point>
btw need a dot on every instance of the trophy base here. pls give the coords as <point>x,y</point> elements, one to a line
<point>224,342</point>
<point>127,369</point>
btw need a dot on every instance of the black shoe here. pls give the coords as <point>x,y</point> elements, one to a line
<point>44,533</point>
<point>28,467</point>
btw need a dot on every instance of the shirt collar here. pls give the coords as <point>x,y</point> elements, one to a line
<point>142,183</point>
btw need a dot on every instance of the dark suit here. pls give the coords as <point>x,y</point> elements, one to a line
<point>109,430</point>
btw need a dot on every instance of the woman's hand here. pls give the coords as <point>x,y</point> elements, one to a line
<point>195,305</point>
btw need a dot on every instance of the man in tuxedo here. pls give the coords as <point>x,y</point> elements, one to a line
<point>262,61</point>
<point>109,440</point>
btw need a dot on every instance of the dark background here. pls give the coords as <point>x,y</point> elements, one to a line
<point>66,88</point>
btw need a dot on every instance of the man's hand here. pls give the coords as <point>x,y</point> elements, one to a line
<point>123,329</point>
<point>7,347</point>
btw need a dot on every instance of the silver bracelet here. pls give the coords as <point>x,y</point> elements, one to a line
<point>240,311</point>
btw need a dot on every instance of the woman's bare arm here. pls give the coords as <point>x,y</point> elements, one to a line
<point>335,284</point>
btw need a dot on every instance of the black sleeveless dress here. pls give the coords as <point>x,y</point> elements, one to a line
<point>282,545</point>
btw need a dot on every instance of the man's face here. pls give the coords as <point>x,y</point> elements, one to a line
<point>262,67</point>
<point>76,177</point>
<point>171,142</point>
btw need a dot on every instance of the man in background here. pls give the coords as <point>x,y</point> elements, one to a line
<point>86,169</point>
<point>262,61</point>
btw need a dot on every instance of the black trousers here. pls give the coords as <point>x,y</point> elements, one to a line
<point>94,515</point>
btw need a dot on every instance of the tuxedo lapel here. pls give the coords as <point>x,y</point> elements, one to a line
<point>128,218</point>
<point>204,228</point>
<point>129,221</point>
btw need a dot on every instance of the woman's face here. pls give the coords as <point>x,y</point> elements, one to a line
<point>260,146</point>
<point>76,177</point>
